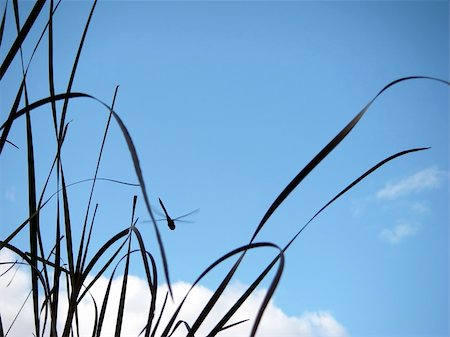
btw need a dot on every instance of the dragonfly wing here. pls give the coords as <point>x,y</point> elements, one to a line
<point>185,215</point>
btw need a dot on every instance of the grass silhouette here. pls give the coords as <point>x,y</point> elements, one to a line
<point>77,266</point>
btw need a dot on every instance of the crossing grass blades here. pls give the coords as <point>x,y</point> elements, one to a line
<point>70,265</point>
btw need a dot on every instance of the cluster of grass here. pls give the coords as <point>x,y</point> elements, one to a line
<point>67,264</point>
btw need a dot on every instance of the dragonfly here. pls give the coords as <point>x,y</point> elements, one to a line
<point>170,220</point>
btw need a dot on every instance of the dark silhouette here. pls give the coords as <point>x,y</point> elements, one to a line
<point>170,221</point>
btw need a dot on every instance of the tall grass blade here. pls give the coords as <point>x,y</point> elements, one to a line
<point>106,296</point>
<point>68,231</point>
<point>6,127</point>
<point>123,292</point>
<point>2,25</point>
<point>21,37</point>
<point>74,68</point>
<point>159,317</point>
<point>86,248</point>
<point>80,251</point>
<point>34,223</point>
<point>51,79</point>
<point>152,284</point>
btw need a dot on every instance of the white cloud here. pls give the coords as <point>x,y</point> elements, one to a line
<point>274,323</point>
<point>429,178</point>
<point>401,231</point>
<point>10,194</point>
<point>419,208</point>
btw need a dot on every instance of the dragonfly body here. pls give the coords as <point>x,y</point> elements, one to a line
<point>169,220</point>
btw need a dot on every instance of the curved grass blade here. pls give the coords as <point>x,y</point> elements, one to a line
<point>179,323</point>
<point>216,294</point>
<point>328,148</point>
<point>304,172</point>
<point>255,284</point>
<point>21,36</point>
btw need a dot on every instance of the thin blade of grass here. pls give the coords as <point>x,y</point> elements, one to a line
<point>234,324</point>
<point>106,297</point>
<point>88,242</point>
<point>34,223</point>
<point>68,230</point>
<point>104,304</point>
<point>6,127</point>
<point>159,317</point>
<point>12,144</point>
<point>74,67</point>
<point>21,36</point>
<point>94,329</point>
<point>178,324</point>
<point>123,292</point>
<point>51,78</point>
<point>81,248</point>
<point>152,284</point>
<point>2,25</point>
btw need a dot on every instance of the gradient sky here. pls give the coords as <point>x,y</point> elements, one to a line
<point>226,102</point>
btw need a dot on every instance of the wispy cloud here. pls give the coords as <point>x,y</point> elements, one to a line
<point>426,179</point>
<point>275,322</point>
<point>420,208</point>
<point>401,231</point>
<point>10,194</point>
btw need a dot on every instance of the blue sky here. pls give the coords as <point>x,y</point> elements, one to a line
<point>226,102</point>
